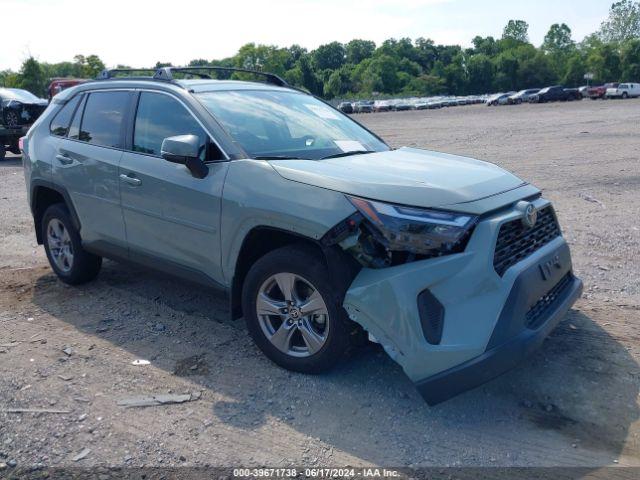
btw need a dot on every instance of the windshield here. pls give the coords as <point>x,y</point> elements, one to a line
<point>17,94</point>
<point>287,124</point>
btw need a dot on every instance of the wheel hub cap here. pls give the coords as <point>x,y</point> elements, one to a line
<point>292,314</point>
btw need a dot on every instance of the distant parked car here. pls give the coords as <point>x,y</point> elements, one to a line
<point>522,96</point>
<point>363,107</point>
<point>554,94</point>
<point>381,106</point>
<point>499,99</point>
<point>573,94</point>
<point>19,107</point>
<point>59,84</point>
<point>624,90</point>
<point>345,107</point>
<point>584,91</point>
<point>600,91</point>
<point>18,110</point>
<point>402,105</point>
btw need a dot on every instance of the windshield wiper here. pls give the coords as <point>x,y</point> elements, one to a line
<point>276,157</point>
<point>346,154</point>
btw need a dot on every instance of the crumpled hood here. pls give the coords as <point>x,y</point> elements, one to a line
<point>407,176</point>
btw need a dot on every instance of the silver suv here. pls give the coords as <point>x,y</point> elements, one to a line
<point>317,229</point>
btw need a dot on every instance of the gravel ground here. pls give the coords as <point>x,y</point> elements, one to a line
<point>573,403</point>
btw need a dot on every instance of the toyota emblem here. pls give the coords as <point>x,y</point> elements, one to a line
<point>530,216</point>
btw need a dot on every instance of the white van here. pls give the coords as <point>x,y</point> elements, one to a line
<point>624,90</point>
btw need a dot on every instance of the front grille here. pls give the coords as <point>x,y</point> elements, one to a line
<point>536,314</point>
<point>516,242</point>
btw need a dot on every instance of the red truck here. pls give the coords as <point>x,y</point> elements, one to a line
<point>59,84</point>
<point>598,92</point>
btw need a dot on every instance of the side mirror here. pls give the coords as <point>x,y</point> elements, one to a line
<point>185,150</point>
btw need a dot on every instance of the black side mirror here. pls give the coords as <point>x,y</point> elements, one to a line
<point>185,150</point>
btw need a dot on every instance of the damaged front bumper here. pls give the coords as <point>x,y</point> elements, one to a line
<point>453,322</point>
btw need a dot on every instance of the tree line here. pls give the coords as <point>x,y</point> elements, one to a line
<point>360,68</point>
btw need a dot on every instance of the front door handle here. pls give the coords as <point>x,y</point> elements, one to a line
<point>130,180</point>
<point>64,159</point>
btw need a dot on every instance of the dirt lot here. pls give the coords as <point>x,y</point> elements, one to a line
<point>575,402</point>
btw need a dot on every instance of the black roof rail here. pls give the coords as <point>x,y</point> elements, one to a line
<point>166,73</point>
<point>111,73</point>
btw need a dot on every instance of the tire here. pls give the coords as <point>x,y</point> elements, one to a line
<point>3,152</point>
<point>301,343</point>
<point>624,95</point>
<point>62,244</point>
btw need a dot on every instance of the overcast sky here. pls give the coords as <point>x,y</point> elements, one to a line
<point>141,32</point>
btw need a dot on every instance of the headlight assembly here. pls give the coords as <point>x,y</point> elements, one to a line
<point>415,232</point>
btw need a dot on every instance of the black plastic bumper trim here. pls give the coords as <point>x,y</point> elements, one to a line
<point>498,360</point>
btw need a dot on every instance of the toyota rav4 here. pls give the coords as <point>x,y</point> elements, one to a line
<point>317,229</point>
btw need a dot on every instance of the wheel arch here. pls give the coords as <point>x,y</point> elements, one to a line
<point>263,239</point>
<point>45,194</point>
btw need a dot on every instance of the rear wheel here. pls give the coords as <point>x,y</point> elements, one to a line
<point>292,312</point>
<point>71,263</point>
<point>3,151</point>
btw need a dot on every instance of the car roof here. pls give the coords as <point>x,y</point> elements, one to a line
<point>182,86</point>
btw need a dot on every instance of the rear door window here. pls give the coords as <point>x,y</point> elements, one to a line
<point>60,123</point>
<point>103,119</point>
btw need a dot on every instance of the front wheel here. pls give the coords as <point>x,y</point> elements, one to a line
<point>11,119</point>
<point>624,95</point>
<point>292,311</point>
<point>71,263</point>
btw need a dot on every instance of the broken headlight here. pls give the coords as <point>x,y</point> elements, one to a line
<point>410,233</point>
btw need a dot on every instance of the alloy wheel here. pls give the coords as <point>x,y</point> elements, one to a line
<point>292,314</point>
<point>11,119</point>
<point>60,245</point>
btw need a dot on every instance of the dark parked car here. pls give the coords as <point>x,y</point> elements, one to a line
<point>19,107</point>
<point>18,110</point>
<point>555,94</point>
<point>345,107</point>
<point>402,106</point>
<point>522,96</point>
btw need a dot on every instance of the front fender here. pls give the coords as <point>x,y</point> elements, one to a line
<point>255,195</point>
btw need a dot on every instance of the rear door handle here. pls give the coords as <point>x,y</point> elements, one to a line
<point>64,159</point>
<point>130,180</point>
